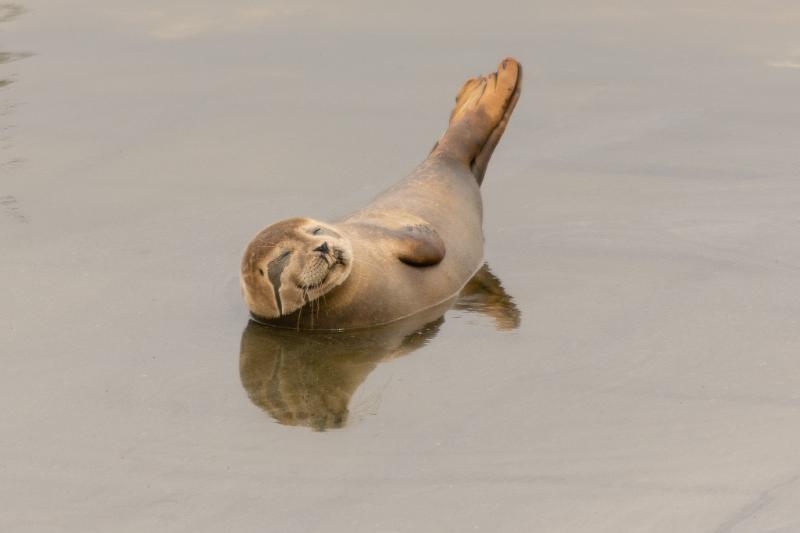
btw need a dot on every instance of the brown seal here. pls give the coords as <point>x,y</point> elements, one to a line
<point>308,378</point>
<point>412,248</point>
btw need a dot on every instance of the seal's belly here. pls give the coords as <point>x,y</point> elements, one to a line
<point>381,288</point>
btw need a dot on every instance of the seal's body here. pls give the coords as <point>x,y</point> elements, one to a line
<point>412,248</point>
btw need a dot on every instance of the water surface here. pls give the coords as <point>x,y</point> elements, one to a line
<point>641,211</point>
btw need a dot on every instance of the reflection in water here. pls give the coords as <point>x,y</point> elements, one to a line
<point>8,12</point>
<point>485,294</point>
<point>306,378</point>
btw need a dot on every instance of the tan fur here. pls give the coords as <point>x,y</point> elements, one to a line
<point>413,247</point>
<point>307,274</point>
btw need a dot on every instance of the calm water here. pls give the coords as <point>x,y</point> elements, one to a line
<point>630,363</point>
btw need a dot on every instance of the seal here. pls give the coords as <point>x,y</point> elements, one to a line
<point>308,378</point>
<point>412,248</point>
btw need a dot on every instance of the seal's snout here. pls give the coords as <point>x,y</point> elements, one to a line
<point>323,248</point>
<point>340,256</point>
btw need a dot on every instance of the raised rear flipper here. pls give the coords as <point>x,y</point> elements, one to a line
<point>483,109</point>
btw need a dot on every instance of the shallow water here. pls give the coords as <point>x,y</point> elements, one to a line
<point>641,212</point>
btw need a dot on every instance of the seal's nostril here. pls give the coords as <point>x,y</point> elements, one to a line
<point>322,248</point>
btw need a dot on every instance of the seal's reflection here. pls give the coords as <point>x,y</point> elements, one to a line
<point>306,378</point>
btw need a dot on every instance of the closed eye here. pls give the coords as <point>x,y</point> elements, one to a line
<point>283,256</point>
<point>324,231</point>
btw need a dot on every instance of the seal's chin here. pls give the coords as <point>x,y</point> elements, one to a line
<point>255,317</point>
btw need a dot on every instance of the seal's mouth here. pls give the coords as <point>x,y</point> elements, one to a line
<point>338,255</point>
<point>329,261</point>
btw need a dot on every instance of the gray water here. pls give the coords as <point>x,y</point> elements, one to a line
<point>638,371</point>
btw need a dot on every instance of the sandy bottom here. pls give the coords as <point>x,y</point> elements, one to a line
<point>640,371</point>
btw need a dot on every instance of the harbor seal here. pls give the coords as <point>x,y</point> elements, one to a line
<point>308,378</point>
<point>412,248</point>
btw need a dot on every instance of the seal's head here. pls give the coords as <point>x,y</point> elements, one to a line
<point>291,263</point>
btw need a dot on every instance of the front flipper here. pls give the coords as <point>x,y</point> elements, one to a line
<point>412,239</point>
<point>419,245</point>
